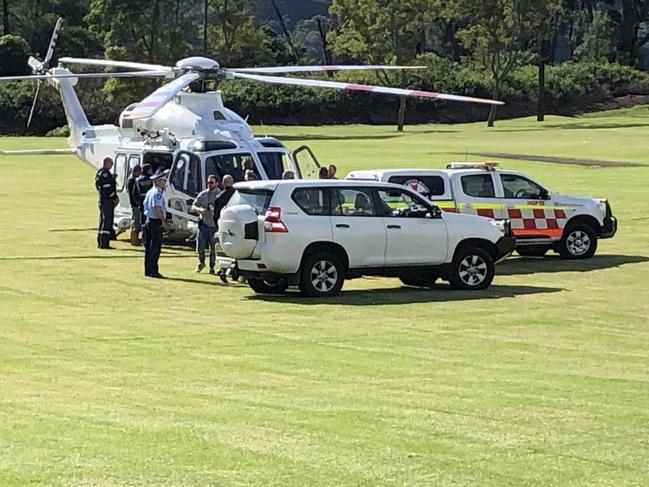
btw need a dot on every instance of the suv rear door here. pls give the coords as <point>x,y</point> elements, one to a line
<point>357,226</point>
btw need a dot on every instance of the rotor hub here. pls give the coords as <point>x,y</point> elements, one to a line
<point>198,63</point>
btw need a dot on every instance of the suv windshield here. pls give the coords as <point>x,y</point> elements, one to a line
<point>259,199</point>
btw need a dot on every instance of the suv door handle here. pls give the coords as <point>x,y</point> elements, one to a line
<point>394,226</point>
<point>342,225</point>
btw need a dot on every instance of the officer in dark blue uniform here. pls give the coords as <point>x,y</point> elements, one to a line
<point>107,192</point>
<point>143,184</point>
<point>156,221</point>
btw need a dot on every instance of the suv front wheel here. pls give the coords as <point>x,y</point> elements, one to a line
<point>321,275</point>
<point>472,269</point>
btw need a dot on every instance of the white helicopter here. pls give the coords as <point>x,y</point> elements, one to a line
<point>185,128</point>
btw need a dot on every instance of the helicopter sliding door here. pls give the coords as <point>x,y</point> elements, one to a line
<point>185,176</point>
<point>184,183</point>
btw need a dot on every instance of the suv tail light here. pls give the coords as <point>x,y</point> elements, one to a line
<point>273,221</point>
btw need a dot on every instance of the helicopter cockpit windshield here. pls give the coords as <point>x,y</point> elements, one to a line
<point>274,163</point>
<point>233,164</point>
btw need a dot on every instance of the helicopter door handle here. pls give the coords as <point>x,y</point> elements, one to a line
<point>394,226</point>
<point>342,225</point>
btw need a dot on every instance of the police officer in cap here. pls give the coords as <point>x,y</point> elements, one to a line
<point>156,223</point>
<point>107,191</point>
<point>143,184</point>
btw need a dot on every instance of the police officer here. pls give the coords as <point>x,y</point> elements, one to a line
<point>156,221</point>
<point>107,191</point>
<point>143,184</point>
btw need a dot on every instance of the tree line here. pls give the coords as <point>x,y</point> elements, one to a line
<point>537,55</point>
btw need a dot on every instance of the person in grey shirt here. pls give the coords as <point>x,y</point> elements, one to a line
<point>204,206</point>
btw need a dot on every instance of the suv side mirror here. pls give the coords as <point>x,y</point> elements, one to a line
<point>435,212</point>
<point>544,194</point>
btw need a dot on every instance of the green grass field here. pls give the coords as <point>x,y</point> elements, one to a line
<point>108,378</point>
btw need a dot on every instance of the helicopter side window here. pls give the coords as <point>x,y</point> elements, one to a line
<point>233,164</point>
<point>120,171</point>
<point>274,163</point>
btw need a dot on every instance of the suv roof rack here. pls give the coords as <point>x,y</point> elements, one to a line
<point>487,166</point>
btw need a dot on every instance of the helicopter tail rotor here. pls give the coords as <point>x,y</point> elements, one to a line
<point>39,67</point>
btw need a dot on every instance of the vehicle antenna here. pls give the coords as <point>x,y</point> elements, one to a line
<point>263,128</point>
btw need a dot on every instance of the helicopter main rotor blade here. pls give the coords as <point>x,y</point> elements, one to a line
<point>116,64</point>
<point>52,45</point>
<point>312,69</point>
<point>129,74</point>
<point>279,80</point>
<point>159,98</point>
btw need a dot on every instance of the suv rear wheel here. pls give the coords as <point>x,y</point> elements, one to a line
<point>472,269</point>
<point>578,242</point>
<point>263,286</point>
<point>321,275</point>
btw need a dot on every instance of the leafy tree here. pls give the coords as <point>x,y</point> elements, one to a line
<point>14,52</point>
<point>381,32</point>
<point>542,22</point>
<point>598,43</point>
<point>496,32</point>
<point>233,37</point>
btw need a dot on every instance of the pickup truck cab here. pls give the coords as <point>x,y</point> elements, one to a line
<point>540,219</point>
<point>317,233</point>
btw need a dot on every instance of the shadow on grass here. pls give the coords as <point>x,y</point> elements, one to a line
<point>89,257</point>
<point>92,229</point>
<point>215,283</point>
<point>406,295</point>
<point>536,265</point>
<point>301,137</point>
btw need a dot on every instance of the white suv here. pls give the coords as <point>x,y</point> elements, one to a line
<point>317,233</point>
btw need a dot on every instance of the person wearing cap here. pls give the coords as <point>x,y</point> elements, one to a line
<point>156,221</point>
<point>105,185</point>
<point>204,206</point>
<point>134,199</point>
<point>143,184</point>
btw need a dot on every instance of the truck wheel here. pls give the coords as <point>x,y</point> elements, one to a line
<point>263,286</point>
<point>578,242</point>
<point>321,275</point>
<point>532,250</point>
<point>472,269</point>
<point>419,281</point>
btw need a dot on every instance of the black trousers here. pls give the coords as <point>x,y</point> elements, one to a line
<point>152,236</point>
<point>106,217</point>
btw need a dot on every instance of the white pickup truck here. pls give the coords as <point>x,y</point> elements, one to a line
<point>540,220</point>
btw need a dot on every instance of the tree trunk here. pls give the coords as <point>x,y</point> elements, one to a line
<point>540,110</point>
<point>494,108</point>
<point>153,36</point>
<point>205,9</point>
<point>287,34</point>
<point>325,46</point>
<point>5,17</point>
<point>629,30</point>
<point>401,117</point>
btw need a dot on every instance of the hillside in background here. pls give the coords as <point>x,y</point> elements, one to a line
<point>292,10</point>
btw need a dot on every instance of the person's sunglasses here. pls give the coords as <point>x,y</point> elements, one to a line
<point>211,182</point>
